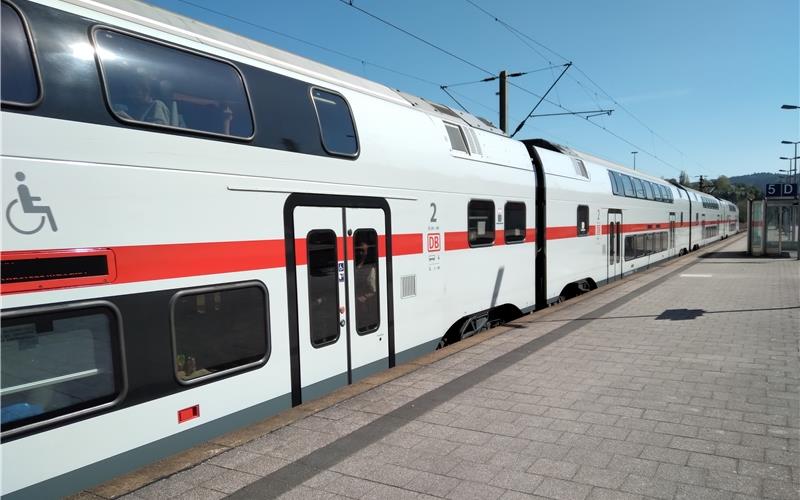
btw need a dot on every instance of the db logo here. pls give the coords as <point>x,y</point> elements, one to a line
<point>434,242</point>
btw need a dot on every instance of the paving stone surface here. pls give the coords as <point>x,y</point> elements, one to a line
<point>625,405</point>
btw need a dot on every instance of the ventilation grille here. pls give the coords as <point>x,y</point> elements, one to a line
<point>472,139</point>
<point>409,286</point>
<point>580,168</point>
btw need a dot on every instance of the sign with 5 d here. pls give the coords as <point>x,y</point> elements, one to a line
<point>781,190</point>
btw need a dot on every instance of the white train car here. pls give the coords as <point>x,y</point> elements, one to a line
<point>730,218</point>
<point>202,231</point>
<point>603,220</point>
<point>707,218</point>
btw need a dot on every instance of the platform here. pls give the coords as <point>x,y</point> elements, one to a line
<point>679,382</point>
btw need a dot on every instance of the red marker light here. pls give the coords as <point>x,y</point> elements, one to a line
<point>188,413</point>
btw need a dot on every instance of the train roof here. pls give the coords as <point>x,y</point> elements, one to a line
<point>560,148</point>
<point>161,19</point>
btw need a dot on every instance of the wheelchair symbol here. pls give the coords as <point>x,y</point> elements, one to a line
<point>26,203</point>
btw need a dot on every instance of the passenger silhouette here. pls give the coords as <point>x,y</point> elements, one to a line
<point>27,202</point>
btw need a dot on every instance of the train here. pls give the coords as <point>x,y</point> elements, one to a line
<point>201,231</point>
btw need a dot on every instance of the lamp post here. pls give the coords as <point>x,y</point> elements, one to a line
<point>791,173</point>
<point>634,153</point>
<point>795,143</point>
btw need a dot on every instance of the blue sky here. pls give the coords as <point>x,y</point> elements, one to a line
<point>702,80</point>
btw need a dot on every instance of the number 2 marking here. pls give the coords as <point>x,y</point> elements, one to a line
<point>433,215</point>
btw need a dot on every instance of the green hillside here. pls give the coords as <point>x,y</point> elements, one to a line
<point>758,179</point>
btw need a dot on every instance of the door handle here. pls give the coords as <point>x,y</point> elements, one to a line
<point>341,323</point>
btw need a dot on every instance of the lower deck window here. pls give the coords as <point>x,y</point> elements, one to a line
<point>219,329</point>
<point>57,362</point>
<point>710,231</point>
<point>642,245</point>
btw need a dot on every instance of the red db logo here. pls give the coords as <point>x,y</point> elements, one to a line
<point>434,242</point>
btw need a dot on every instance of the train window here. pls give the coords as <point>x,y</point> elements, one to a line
<point>630,252</point>
<point>365,279</point>
<point>218,330</point>
<point>657,192</point>
<point>456,135</point>
<point>612,243</point>
<point>159,85</point>
<point>615,188</point>
<point>335,123</point>
<point>480,223</point>
<point>59,362</point>
<point>583,220</point>
<point>637,184</point>
<point>515,222</point>
<point>20,84</point>
<point>649,245</point>
<point>669,194</point>
<point>648,190</point>
<point>663,191</point>
<point>323,287</point>
<point>627,186</point>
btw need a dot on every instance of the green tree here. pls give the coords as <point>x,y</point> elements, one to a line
<point>723,184</point>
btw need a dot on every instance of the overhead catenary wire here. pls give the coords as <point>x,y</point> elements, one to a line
<point>473,65</point>
<point>416,37</point>
<point>510,75</point>
<point>522,123</point>
<point>392,70</point>
<point>525,38</point>
<point>310,44</point>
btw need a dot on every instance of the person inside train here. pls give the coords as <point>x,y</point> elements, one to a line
<point>138,103</point>
<point>366,285</point>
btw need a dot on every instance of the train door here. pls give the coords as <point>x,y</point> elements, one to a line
<point>342,312</point>
<point>703,231</point>
<point>614,244</point>
<point>321,299</point>
<point>672,233</point>
<point>367,324</point>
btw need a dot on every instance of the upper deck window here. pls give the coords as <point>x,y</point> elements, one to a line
<point>457,140</point>
<point>335,123</point>
<point>648,188</point>
<point>160,85</point>
<point>657,192</point>
<point>627,186</point>
<point>615,188</point>
<point>20,78</point>
<point>637,183</point>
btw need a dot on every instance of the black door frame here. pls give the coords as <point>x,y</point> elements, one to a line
<point>330,201</point>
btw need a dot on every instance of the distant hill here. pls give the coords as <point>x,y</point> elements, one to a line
<point>758,179</point>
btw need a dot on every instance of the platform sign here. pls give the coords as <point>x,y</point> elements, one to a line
<point>781,190</point>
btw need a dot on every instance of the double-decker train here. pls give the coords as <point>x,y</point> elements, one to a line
<point>201,230</point>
